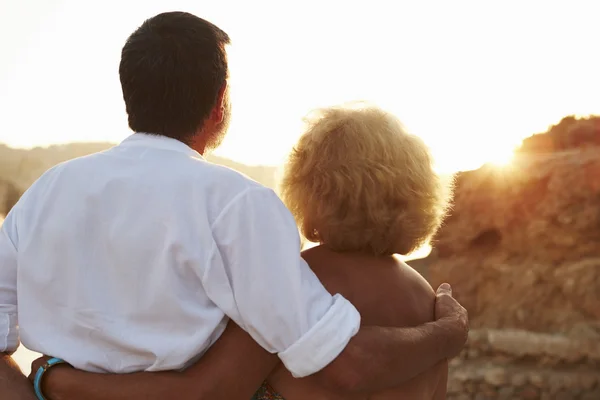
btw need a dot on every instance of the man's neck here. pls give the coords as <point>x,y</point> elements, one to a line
<point>199,143</point>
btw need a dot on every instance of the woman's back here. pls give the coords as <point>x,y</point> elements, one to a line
<point>365,189</point>
<point>387,292</point>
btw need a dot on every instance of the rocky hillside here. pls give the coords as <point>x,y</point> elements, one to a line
<point>569,133</point>
<point>9,195</point>
<point>521,249</point>
<point>522,246</point>
<point>509,364</point>
<point>19,168</point>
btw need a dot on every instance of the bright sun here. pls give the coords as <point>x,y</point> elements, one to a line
<point>501,157</point>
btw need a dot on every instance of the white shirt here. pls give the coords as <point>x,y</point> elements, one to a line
<point>134,259</point>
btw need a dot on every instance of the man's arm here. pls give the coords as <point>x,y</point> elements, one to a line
<point>442,387</point>
<point>379,358</point>
<point>223,374</point>
<point>256,276</point>
<point>13,384</point>
<point>233,368</point>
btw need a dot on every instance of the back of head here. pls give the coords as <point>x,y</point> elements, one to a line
<point>172,70</point>
<point>356,181</point>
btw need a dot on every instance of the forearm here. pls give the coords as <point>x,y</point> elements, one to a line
<point>380,358</point>
<point>233,368</point>
<point>70,384</point>
<point>442,386</point>
<point>13,384</point>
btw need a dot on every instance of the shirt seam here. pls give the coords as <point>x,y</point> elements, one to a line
<point>232,203</point>
<point>218,219</point>
<point>5,231</point>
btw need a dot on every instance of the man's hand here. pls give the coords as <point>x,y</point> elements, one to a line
<point>454,316</point>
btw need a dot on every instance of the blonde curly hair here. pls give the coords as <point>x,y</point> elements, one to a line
<point>357,181</point>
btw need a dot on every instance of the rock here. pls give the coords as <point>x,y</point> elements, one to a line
<point>588,381</point>
<point>565,395</point>
<point>520,247</point>
<point>536,380</point>
<point>454,387</point>
<point>472,353</point>
<point>506,393</point>
<point>595,395</point>
<point>569,133</point>
<point>518,380</point>
<point>495,376</point>
<point>488,390</point>
<point>521,250</point>
<point>470,387</point>
<point>9,195</point>
<point>461,376</point>
<point>528,393</point>
<point>462,397</point>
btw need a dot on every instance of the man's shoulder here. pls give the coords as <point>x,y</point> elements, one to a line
<point>223,191</point>
<point>225,177</point>
<point>74,164</point>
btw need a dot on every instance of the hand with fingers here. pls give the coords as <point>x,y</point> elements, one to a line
<point>454,317</point>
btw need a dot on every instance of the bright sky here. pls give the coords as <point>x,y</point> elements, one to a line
<point>472,78</point>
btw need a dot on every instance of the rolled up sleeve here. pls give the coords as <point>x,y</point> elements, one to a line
<point>256,276</point>
<point>9,335</point>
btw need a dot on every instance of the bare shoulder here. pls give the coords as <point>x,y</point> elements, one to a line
<point>385,290</point>
<point>417,280</point>
<point>328,266</point>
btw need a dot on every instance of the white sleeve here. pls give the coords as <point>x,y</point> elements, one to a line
<point>9,334</point>
<point>256,276</point>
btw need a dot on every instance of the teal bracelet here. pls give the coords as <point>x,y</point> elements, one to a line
<point>37,382</point>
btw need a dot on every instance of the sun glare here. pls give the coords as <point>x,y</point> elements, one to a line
<point>502,159</point>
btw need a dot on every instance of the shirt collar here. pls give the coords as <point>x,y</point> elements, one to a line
<point>159,142</point>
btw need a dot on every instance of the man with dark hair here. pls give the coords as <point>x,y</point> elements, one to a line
<point>135,259</point>
<point>173,72</point>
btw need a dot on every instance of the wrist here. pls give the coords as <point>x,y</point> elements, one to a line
<point>42,372</point>
<point>60,383</point>
<point>451,336</point>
